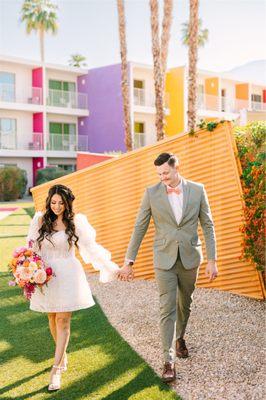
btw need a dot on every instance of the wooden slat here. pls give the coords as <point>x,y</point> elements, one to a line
<point>110,193</point>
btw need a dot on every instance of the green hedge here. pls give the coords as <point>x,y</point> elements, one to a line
<point>49,173</point>
<point>13,183</point>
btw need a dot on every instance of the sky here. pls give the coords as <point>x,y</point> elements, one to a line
<point>237,32</point>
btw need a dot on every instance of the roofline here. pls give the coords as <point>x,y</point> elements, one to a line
<point>38,64</point>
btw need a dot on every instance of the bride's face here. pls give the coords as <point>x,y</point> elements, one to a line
<point>57,205</point>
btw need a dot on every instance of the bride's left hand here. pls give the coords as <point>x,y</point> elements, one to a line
<point>126,273</point>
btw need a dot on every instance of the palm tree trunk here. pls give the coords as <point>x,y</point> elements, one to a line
<point>124,72</point>
<point>167,23</point>
<point>192,69</point>
<point>42,44</point>
<point>157,69</point>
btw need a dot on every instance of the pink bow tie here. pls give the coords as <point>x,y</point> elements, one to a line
<point>173,190</point>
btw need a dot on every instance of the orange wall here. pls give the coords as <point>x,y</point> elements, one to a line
<point>212,93</point>
<point>242,91</point>
<point>212,86</point>
<point>86,160</point>
<point>208,158</point>
<point>175,86</point>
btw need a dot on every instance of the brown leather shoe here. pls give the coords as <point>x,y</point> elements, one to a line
<point>181,348</point>
<point>169,373</point>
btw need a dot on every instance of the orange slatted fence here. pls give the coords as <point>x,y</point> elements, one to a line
<point>110,193</point>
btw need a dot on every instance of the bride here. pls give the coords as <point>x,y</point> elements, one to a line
<point>54,235</point>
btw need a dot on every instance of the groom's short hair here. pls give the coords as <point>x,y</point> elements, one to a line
<point>170,158</point>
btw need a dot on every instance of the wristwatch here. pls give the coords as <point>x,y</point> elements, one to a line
<point>130,263</point>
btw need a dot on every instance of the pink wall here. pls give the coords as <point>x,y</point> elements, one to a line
<point>37,82</point>
<point>38,122</point>
<point>37,163</point>
<point>37,77</point>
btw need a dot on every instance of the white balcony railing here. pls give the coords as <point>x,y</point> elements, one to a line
<point>58,142</point>
<point>226,104</point>
<point>142,98</point>
<point>11,141</point>
<point>68,99</point>
<point>30,95</point>
<point>258,106</point>
<point>138,140</point>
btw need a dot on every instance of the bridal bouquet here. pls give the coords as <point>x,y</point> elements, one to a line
<point>29,271</point>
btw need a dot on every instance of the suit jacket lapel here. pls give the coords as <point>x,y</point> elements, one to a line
<point>186,190</point>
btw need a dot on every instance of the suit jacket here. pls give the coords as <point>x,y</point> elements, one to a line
<point>171,237</point>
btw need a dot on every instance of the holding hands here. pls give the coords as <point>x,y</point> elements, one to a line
<point>126,273</point>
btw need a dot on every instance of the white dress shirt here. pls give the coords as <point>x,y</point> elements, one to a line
<point>176,202</point>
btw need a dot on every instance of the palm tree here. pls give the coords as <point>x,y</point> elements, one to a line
<point>77,60</point>
<point>203,34</point>
<point>159,52</point>
<point>192,60</point>
<point>167,23</point>
<point>124,73</point>
<point>39,16</point>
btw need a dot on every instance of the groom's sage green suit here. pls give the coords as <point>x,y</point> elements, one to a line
<point>177,251</point>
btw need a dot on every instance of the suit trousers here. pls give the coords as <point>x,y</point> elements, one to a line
<point>176,288</point>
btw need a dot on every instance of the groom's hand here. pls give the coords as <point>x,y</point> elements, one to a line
<point>211,270</point>
<point>126,273</point>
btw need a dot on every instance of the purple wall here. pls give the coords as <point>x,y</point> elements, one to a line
<point>104,125</point>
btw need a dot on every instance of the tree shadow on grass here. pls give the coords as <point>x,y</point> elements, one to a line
<point>30,211</point>
<point>12,236</point>
<point>110,358</point>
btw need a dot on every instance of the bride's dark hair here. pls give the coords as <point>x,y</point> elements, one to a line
<point>46,230</point>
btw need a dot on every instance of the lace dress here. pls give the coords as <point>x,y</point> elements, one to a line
<point>69,289</point>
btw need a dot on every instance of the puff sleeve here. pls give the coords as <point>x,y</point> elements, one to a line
<point>33,233</point>
<point>92,252</point>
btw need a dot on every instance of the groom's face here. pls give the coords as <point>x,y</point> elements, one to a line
<point>167,174</point>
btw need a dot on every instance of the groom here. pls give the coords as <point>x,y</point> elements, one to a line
<point>176,205</point>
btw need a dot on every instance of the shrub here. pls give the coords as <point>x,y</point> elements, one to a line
<point>13,182</point>
<point>250,142</point>
<point>49,173</point>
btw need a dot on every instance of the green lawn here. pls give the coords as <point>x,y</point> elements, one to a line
<point>101,364</point>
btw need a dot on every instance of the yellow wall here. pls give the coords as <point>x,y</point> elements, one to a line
<point>175,86</point>
<point>242,91</point>
<point>109,194</point>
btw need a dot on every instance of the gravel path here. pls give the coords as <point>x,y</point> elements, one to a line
<point>225,337</point>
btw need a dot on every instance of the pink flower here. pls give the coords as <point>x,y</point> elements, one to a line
<point>11,283</point>
<point>40,276</point>
<point>49,271</point>
<point>18,251</point>
<point>25,274</point>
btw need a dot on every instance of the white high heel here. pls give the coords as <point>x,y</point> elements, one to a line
<point>55,380</point>
<point>64,364</point>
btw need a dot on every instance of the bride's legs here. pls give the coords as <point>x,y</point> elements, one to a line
<point>52,326</point>
<point>62,321</point>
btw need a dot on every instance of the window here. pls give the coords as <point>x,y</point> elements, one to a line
<point>138,84</point>
<point>256,97</point>
<point>139,134</point>
<point>62,136</point>
<point>66,167</point>
<point>8,133</point>
<point>7,86</point>
<point>62,94</point>
<point>139,127</point>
